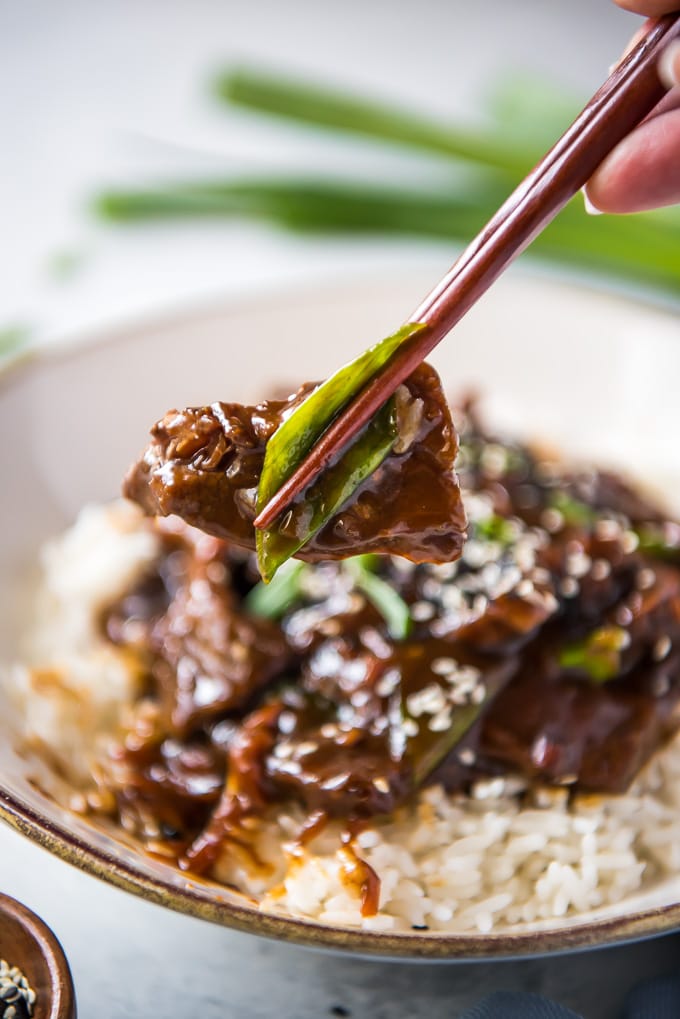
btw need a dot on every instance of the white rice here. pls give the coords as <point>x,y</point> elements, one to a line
<point>446,863</point>
<point>73,685</point>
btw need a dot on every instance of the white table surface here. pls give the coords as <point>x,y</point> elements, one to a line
<point>100,93</point>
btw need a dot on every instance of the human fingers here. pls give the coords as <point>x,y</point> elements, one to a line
<point>669,65</point>
<point>643,171</point>
<point>650,8</point>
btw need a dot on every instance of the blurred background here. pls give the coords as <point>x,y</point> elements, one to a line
<point>145,169</point>
<point>166,97</point>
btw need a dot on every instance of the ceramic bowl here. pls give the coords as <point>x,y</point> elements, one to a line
<point>592,373</point>
<point>27,943</point>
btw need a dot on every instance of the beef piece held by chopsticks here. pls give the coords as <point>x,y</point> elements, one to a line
<point>203,464</point>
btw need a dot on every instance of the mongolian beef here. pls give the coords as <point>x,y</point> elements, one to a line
<point>549,650</point>
<point>204,465</point>
<point>543,652</point>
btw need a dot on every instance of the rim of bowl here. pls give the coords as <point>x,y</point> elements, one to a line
<point>61,1003</point>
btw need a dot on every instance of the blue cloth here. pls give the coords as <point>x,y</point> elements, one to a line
<point>516,1005</point>
<point>654,999</point>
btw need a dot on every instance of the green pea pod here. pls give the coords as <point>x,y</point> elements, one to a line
<point>295,437</point>
<point>327,494</point>
<point>390,605</point>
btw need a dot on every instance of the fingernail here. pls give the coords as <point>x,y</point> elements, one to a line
<point>591,209</point>
<point>669,65</point>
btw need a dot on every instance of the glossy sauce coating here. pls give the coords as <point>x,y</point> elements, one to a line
<point>204,464</point>
<point>549,650</point>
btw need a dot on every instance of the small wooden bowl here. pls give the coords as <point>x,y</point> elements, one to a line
<point>29,944</point>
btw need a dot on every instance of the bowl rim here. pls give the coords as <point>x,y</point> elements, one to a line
<point>62,1002</point>
<point>200,900</point>
<point>604,932</point>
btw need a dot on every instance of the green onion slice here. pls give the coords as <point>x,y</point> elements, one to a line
<point>598,655</point>
<point>295,437</point>
<point>382,595</point>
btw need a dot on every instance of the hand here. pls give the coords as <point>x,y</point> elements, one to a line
<point>643,171</point>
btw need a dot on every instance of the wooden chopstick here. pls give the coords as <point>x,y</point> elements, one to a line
<point>627,96</point>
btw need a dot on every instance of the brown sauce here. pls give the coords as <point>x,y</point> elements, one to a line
<point>550,649</point>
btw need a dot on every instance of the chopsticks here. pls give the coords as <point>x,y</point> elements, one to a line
<point>626,97</point>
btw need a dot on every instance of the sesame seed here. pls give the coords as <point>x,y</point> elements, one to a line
<point>494,460</point>
<point>421,611</point>
<point>478,694</point>
<point>286,722</point>
<point>78,803</point>
<point>216,573</point>
<point>540,575</point>
<point>629,541</point>
<point>552,520</point>
<point>375,642</point>
<point>443,666</point>
<point>432,588</point>
<point>578,563</point>
<point>671,534</point>
<point>200,589</point>
<point>459,697</point>
<point>305,748</point>
<point>539,537</point>
<point>466,674</point>
<point>601,569</point>
<point>476,553</point>
<point>624,616</point>
<point>478,506</point>
<point>440,722</point>
<point>388,683</point>
<point>569,587</point>
<point>550,602</point>
<point>403,566</point>
<point>624,640</point>
<point>662,648</point>
<point>525,554</point>
<point>443,571</point>
<point>359,698</point>
<point>335,781</point>
<point>491,575</point>
<point>429,701</point>
<point>645,579</point>
<point>16,996</point>
<point>410,727</point>
<point>467,756</point>
<point>607,530</point>
<point>379,724</point>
